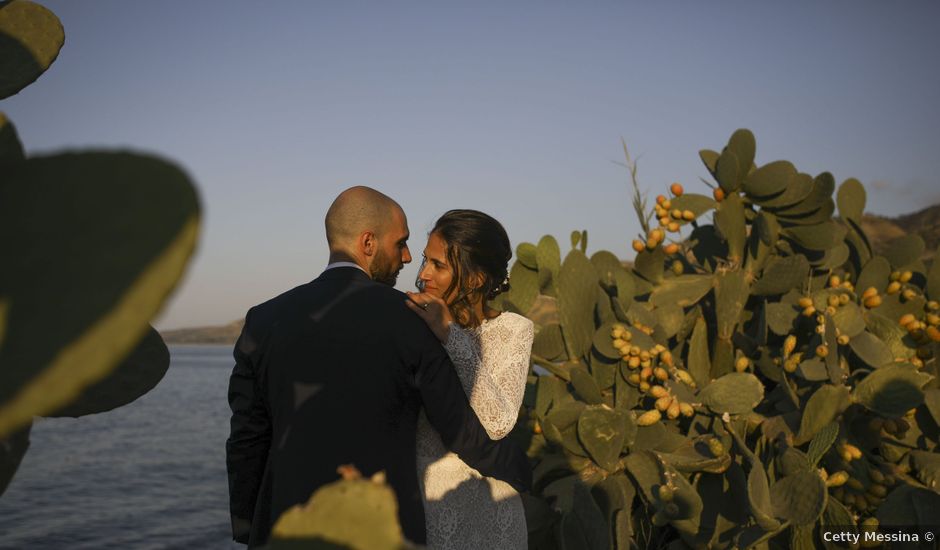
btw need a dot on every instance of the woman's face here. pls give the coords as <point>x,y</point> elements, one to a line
<point>436,274</point>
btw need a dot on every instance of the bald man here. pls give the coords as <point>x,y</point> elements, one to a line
<point>335,371</point>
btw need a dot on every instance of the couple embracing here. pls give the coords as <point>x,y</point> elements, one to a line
<point>424,386</point>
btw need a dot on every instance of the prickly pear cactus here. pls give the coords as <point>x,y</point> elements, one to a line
<point>758,372</point>
<point>93,243</point>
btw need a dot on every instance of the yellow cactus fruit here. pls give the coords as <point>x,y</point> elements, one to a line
<point>673,227</point>
<point>933,333</point>
<point>854,483</point>
<point>667,204</point>
<point>822,350</point>
<point>671,249</point>
<point>844,299</point>
<point>661,374</point>
<point>909,294</point>
<point>873,302</point>
<point>789,344</point>
<point>688,215</point>
<point>687,410</point>
<point>676,189</point>
<point>639,245</point>
<point>809,311</point>
<point>833,300</point>
<point>665,493</point>
<point>876,475</point>
<point>855,451</point>
<point>663,402</point>
<point>616,332</point>
<point>651,244</point>
<point>673,411</point>
<point>644,386</point>
<point>843,339</point>
<point>932,319</point>
<point>716,447</point>
<point>893,288</point>
<point>657,234</point>
<point>649,418</point>
<point>677,267</point>
<point>848,286</point>
<point>676,214</point>
<point>685,378</point>
<point>719,194</point>
<point>830,310</point>
<point>635,351</point>
<point>660,199</point>
<point>646,364</point>
<point>742,364</point>
<point>633,362</point>
<point>619,343</point>
<point>905,276</point>
<point>659,392</point>
<point>634,379</point>
<point>837,479</point>
<point>895,275</point>
<point>906,319</point>
<point>835,281</point>
<point>644,355</point>
<point>666,358</point>
<point>663,221</point>
<point>646,372</point>
<point>790,366</point>
<point>869,292</point>
<point>805,302</point>
<point>933,305</point>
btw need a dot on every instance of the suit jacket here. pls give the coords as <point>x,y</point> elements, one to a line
<point>334,372</point>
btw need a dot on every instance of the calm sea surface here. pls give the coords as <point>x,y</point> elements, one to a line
<point>147,475</point>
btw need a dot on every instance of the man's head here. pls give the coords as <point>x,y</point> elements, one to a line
<point>370,229</point>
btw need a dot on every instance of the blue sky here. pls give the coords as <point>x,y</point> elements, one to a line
<point>513,108</point>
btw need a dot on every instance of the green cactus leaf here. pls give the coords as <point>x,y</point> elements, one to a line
<point>823,439</point>
<point>836,517</point>
<point>728,171</point>
<point>577,292</point>
<point>625,395</point>
<point>734,393</point>
<point>851,199</point>
<point>891,334</point>
<point>875,274</point>
<point>758,495</point>
<point>134,219</point>
<point>584,527</point>
<point>729,219</point>
<point>798,189</point>
<point>799,498</point>
<point>601,432</point>
<point>835,257</point>
<point>604,373</point>
<point>909,505</point>
<point>708,247</point>
<point>646,470</point>
<point>710,159</point>
<point>782,275</point>
<point>927,467</point>
<point>684,290</point>
<point>604,343</point>
<point>523,287</point>
<point>824,406</point>
<point>548,258</point>
<point>780,317</point>
<point>614,496</point>
<point>335,514</point>
<point>585,385</point>
<point>744,145</point>
<point>818,200</point>
<point>892,390</point>
<point>698,361</point>
<point>731,294</point>
<point>603,308</point>
<point>669,319</point>
<point>575,239</point>
<point>527,254</point>
<point>870,349</point>
<point>816,237</point>
<point>560,426</point>
<point>11,150</point>
<point>932,400</point>
<point>606,265</point>
<point>767,227</point>
<point>136,375</point>
<point>694,456</point>
<point>649,265</point>
<point>813,369</point>
<point>769,180</point>
<point>933,279</point>
<point>30,39</point>
<point>848,319</point>
<point>549,343</point>
<point>905,250</point>
<point>893,307</point>
<point>550,391</point>
<point>697,204</point>
<point>12,450</point>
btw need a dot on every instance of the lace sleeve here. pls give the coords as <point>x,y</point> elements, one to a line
<point>492,366</point>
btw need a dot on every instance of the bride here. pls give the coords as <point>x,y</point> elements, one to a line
<point>465,264</point>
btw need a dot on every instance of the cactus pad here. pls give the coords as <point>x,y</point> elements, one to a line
<point>892,390</point>
<point>824,406</point>
<point>601,431</point>
<point>11,150</point>
<point>734,393</point>
<point>30,39</point>
<point>799,497</point>
<point>851,199</point>
<point>684,290</point>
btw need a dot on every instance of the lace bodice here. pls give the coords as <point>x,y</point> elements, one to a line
<point>463,509</point>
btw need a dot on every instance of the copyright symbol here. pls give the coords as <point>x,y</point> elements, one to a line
<point>928,536</point>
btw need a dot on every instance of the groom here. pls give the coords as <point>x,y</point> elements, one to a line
<point>335,371</point>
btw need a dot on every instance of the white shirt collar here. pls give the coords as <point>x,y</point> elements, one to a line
<point>344,264</point>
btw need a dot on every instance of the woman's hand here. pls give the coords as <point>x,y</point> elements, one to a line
<point>434,311</point>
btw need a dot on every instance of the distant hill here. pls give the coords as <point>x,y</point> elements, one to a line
<point>879,229</point>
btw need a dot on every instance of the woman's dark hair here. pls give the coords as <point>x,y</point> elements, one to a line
<point>476,243</point>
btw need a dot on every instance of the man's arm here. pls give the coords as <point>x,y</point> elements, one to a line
<point>250,439</point>
<point>448,410</point>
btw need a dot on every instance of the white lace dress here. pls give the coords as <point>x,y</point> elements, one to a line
<point>463,509</point>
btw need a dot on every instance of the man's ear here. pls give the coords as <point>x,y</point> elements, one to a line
<point>368,243</point>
